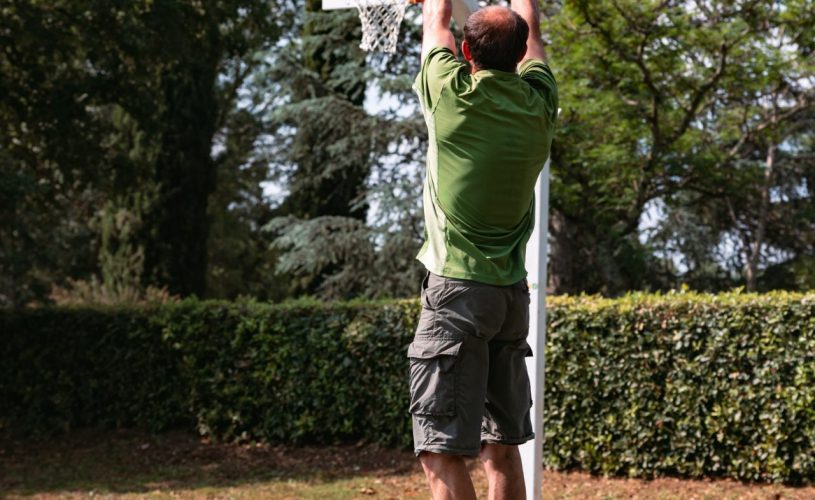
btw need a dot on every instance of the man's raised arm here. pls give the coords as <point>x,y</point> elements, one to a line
<point>436,16</point>
<point>530,12</point>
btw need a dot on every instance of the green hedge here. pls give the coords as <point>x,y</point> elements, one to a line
<point>298,373</point>
<point>686,384</point>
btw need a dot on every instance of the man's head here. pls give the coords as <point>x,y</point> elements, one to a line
<point>495,38</point>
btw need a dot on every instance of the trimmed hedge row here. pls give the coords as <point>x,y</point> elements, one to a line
<point>296,373</point>
<point>684,384</point>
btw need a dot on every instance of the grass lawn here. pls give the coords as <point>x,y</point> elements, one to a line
<point>128,464</point>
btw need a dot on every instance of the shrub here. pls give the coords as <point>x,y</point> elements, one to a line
<point>294,373</point>
<point>677,384</point>
<point>683,384</point>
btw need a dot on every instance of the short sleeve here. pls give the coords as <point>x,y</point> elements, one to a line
<point>539,76</point>
<point>438,68</point>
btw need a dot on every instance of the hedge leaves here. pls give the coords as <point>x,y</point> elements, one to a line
<point>687,384</point>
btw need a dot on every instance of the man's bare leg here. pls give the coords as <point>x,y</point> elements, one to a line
<point>502,464</point>
<point>448,476</point>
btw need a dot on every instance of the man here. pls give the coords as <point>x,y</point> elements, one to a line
<point>490,130</point>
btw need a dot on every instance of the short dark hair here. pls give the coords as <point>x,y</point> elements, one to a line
<point>496,40</point>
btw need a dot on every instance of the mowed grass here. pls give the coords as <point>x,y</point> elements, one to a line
<point>129,464</point>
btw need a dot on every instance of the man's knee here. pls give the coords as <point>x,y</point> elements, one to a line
<point>500,455</point>
<point>435,461</point>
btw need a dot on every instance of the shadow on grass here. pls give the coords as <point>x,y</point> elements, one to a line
<point>177,464</point>
<point>133,462</point>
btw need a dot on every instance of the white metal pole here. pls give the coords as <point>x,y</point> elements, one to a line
<point>536,258</point>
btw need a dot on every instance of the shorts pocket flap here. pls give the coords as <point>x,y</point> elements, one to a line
<point>429,349</point>
<point>433,376</point>
<point>523,345</point>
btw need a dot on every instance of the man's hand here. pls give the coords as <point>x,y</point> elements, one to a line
<point>436,16</point>
<point>530,12</point>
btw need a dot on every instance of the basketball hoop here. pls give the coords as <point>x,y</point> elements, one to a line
<point>381,21</point>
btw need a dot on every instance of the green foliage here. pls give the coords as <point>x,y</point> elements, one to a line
<point>96,292</point>
<point>86,367</point>
<point>695,385</point>
<point>181,112</point>
<point>349,225</point>
<point>300,372</point>
<point>678,103</point>
<point>349,264</point>
<point>104,103</point>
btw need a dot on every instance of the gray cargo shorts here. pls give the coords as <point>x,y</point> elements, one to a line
<point>468,378</point>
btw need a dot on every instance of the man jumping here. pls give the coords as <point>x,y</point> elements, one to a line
<point>490,130</point>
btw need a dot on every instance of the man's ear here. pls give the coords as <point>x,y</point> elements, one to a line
<point>523,53</point>
<point>465,51</point>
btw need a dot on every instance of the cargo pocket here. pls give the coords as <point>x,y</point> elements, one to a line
<point>526,350</point>
<point>433,376</point>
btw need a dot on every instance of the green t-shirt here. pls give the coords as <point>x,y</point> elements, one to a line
<point>489,137</point>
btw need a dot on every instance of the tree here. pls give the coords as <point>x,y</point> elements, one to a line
<point>240,262</point>
<point>64,111</point>
<point>642,87</point>
<point>102,101</point>
<point>758,203</point>
<point>213,32</point>
<point>335,156</point>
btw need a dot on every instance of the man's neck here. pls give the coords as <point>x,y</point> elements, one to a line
<point>474,69</point>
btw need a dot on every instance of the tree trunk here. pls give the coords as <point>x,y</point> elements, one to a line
<point>178,226</point>
<point>751,271</point>
<point>564,265</point>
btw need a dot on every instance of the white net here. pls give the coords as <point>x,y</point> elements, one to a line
<point>380,23</point>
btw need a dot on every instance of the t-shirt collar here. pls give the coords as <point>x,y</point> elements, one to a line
<point>496,73</point>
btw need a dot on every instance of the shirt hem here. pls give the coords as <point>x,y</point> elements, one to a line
<point>478,277</point>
